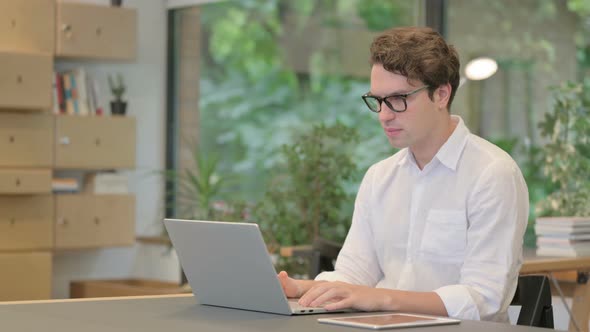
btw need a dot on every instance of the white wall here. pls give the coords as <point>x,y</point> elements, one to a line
<point>146,96</point>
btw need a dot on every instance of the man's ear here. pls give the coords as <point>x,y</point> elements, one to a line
<point>442,95</point>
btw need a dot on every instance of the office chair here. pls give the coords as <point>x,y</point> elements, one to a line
<point>533,294</point>
<point>323,254</point>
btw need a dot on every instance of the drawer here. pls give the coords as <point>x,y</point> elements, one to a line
<point>94,142</point>
<point>26,140</point>
<point>25,276</point>
<point>25,81</point>
<point>95,31</point>
<point>26,222</point>
<point>25,181</point>
<point>90,221</point>
<point>28,25</point>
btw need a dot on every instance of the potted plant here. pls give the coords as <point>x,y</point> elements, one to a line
<point>199,191</point>
<point>307,198</point>
<point>567,164</point>
<point>118,106</point>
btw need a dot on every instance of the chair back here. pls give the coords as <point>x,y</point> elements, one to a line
<point>323,253</point>
<point>533,294</point>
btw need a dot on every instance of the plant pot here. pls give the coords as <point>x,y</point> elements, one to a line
<point>116,3</point>
<point>118,107</point>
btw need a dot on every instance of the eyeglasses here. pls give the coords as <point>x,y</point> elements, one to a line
<point>396,102</point>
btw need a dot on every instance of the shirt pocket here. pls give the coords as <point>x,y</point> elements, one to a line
<point>445,235</point>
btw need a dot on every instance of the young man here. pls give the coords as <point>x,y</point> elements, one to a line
<point>438,226</point>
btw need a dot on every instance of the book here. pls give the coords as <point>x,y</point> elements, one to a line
<point>74,92</point>
<point>69,102</point>
<point>563,251</point>
<point>65,185</point>
<point>563,242</point>
<point>92,103</point>
<point>567,229</point>
<point>565,236</point>
<point>60,93</point>
<point>564,221</point>
<point>82,91</point>
<point>55,93</point>
<point>106,183</point>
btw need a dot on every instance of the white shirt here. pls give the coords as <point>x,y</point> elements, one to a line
<point>456,227</point>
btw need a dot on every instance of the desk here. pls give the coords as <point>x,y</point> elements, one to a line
<point>178,313</point>
<point>578,290</point>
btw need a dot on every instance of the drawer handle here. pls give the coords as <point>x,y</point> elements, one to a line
<point>12,222</point>
<point>96,221</point>
<point>19,79</point>
<point>13,23</point>
<point>98,31</point>
<point>17,182</point>
<point>97,142</point>
<point>62,222</point>
<point>67,29</point>
<point>64,140</point>
<point>11,139</point>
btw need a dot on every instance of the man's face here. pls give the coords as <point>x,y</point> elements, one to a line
<point>413,127</point>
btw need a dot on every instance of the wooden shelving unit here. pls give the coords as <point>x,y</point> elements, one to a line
<point>34,222</point>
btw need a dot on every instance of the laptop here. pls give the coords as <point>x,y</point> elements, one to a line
<point>227,265</point>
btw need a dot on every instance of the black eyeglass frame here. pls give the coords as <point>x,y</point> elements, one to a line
<point>404,96</point>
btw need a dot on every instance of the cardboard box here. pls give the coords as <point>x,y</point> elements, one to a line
<point>25,276</point>
<point>123,287</point>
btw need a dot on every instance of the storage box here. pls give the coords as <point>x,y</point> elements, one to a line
<point>25,181</point>
<point>123,287</point>
<point>25,276</point>
<point>92,221</point>
<point>26,223</point>
<point>26,140</point>
<point>92,31</point>
<point>26,80</point>
<point>94,143</point>
<point>28,25</point>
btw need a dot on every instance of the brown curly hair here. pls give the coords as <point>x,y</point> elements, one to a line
<point>419,53</point>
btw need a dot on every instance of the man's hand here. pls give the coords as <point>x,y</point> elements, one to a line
<point>290,286</point>
<point>342,295</point>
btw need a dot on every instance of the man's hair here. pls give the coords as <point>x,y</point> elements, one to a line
<point>419,53</point>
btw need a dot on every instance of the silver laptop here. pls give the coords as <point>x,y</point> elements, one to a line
<point>227,264</point>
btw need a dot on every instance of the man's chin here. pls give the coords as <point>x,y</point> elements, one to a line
<point>397,144</point>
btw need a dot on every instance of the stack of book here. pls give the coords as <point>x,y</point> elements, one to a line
<point>563,236</point>
<point>75,92</point>
<point>60,185</point>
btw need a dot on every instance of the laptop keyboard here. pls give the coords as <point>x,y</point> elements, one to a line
<point>298,307</point>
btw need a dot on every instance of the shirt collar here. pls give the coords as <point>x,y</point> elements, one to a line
<point>451,151</point>
<point>406,157</point>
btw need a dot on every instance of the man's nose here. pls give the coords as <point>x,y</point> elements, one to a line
<point>386,113</point>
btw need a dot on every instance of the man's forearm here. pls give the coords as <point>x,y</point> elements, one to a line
<point>416,302</point>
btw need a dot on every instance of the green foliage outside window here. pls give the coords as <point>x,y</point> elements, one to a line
<point>567,152</point>
<point>306,197</point>
<point>252,102</point>
<point>254,106</point>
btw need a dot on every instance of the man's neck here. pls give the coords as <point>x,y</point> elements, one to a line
<point>427,150</point>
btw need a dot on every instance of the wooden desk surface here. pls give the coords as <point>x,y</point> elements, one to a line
<point>539,264</point>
